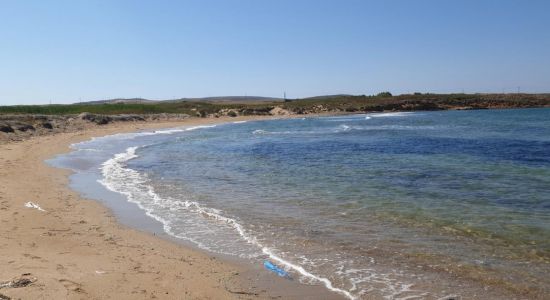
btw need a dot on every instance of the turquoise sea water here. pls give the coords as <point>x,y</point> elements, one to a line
<point>367,205</point>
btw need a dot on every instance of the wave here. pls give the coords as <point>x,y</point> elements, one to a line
<point>121,179</point>
<point>188,220</point>
<point>342,128</point>
<point>357,119</point>
<point>391,114</point>
<point>172,131</point>
<point>133,135</point>
<point>259,131</point>
<point>362,117</point>
<point>265,132</point>
<point>346,128</point>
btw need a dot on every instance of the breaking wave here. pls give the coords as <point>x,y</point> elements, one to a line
<point>117,177</point>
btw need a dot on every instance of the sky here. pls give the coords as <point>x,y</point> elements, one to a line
<point>70,51</point>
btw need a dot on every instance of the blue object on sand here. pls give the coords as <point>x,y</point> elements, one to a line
<point>273,268</point>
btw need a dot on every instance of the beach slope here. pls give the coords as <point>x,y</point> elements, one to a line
<point>55,245</point>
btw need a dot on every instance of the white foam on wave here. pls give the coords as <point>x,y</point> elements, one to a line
<point>287,132</point>
<point>391,114</point>
<point>118,178</point>
<point>259,131</point>
<point>133,135</point>
<point>362,117</point>
<point>239,122</point>
<point>356,119</point>
<point>165,131</point>
<point>344,127</point>
<point>90,150</point>
<point>265,132</point>
<point>386,284</point>
<point>132,184</point>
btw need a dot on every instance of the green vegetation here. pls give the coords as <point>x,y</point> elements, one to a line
<point>344,103</point>
<point>384,94</point>
<point>183,107</point>
<point>420,102</point>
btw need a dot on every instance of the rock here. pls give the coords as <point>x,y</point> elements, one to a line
<point>86,116</point>
<point>102,120</point>
<point>127,118</point>
<point>21,282</point>
<point>164,116</point>
<point>25,127</point>
<point>46,125</point>
<point>39,117</point>
<point>228,112</point>
<point>98,119</point>
<point>279,111</point>
<point>6,128</point>
<point>202,114</point>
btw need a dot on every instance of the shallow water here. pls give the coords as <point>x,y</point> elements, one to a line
<point>368,205</point>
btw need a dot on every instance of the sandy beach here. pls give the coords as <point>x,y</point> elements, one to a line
<point>61,246</point>
<point>290,150</point>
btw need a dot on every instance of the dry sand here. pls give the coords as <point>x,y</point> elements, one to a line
<point>75,249</point>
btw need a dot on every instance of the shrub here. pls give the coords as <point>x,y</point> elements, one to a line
<point>384,94</point>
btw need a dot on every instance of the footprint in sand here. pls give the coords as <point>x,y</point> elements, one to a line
<point>71,285</point>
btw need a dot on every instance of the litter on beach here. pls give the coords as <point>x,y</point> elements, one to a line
<point>273,268</point>
<point>33,205</point>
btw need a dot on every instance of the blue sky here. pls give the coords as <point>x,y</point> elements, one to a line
<point>66,51</point>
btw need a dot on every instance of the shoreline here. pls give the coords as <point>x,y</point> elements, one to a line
<point>79,248</point>
<point>76,248</point>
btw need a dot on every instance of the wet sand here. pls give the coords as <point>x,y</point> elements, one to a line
<point>75,249</point>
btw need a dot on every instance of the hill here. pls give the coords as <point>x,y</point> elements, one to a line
<point>216,106</point>
<point>234,99</point>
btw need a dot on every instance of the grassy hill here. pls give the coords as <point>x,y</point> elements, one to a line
<point>336,103</point>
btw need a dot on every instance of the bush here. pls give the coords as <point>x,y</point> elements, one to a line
<point>384,94</point>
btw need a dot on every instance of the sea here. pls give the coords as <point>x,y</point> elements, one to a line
<point>392,205</point>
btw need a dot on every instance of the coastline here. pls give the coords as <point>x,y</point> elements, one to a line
<point>76,249</point>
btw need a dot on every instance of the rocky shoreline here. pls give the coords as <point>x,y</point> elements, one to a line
<point>19,127</point>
